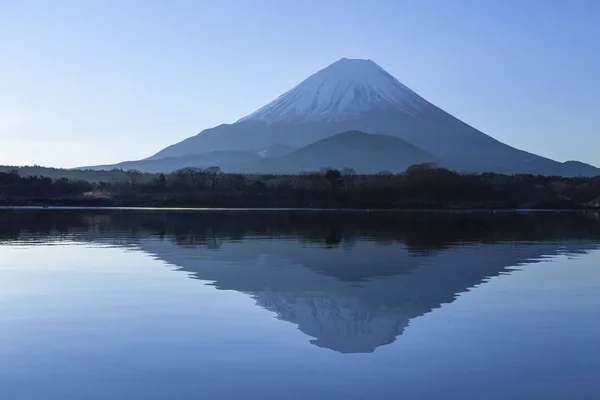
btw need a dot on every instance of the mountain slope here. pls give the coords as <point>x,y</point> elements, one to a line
<point>365,153</point>
<point>276,150</point>
<point>360,95</point>
<point>170,164</point>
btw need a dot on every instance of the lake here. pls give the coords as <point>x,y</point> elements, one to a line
<point>299,305</point>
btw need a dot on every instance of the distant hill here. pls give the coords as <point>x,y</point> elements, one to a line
<point>89,175</point>
<point>366,153</point>
<point>577,168</point>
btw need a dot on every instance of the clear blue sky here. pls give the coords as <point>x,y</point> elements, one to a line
<point>89,81</point>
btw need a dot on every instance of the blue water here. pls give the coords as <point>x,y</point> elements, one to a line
<point>134,305</point>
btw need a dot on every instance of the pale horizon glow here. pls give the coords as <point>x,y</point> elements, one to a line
<point>88,83</point>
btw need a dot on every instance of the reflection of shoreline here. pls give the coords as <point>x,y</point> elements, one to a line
<point>420,231</point>
<point>351,282</point>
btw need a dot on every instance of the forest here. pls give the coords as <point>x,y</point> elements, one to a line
<point>423,186</point>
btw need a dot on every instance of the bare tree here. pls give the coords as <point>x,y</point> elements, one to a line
<point>349,177</point>
<point>134,176</point>
<point>334,178</point>
<point>213,175</point>
<point>191,178</point>
<point>198,177</point>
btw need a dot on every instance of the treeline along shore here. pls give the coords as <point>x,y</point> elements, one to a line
<point>423,186</point>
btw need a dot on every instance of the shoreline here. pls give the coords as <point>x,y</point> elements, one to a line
<point>297,209</point>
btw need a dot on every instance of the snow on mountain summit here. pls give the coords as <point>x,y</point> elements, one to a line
<point>346,88</point>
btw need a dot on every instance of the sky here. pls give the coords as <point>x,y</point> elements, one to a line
<point>102,81</point>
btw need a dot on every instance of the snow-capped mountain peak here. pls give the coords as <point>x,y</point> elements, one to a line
<point>344,89</point>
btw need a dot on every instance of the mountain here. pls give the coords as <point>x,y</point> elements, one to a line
<point>353,94</point>
<point>364,152</point>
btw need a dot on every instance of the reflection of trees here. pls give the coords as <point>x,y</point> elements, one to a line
<point>420,232</point>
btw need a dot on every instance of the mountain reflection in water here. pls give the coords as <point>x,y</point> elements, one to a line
<point>351,281</point>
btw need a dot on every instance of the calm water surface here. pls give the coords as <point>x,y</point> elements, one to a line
<point>295,305</point>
